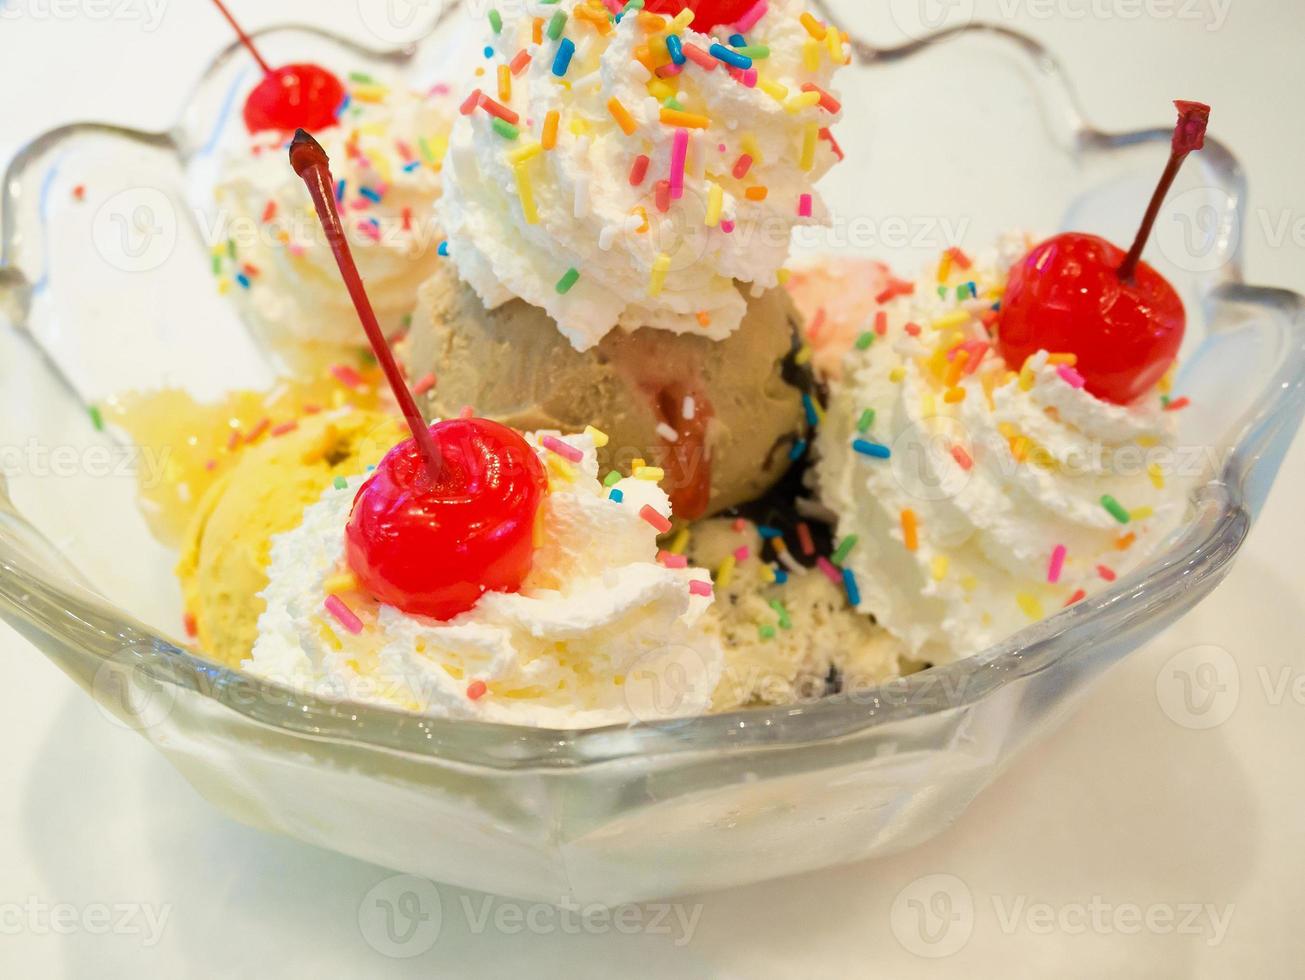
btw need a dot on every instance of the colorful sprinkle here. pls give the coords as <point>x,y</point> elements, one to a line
<point>699,587</point>
<point>1070,376</point>
<point>805,540</point>
<point>1115,509</point>
<point>699,57</point>
<point>679,159</point>
<point>910,529</point>
<point>342,614</point>
<point>1056,565</point>
<point>548,139</point>
<point>844,549</point>
<point>1029,605</point>
<point>505,129</point>
<point>811,409</point>
<point>477,690</point>
<point>660,523</point>
<point>565,52</point>
<point>729,57</point>
<point>685,120</point>
<point>566,451</point>
<point>671,560</point>
<point>874,450</point>
<point>525,191</point>
<point>830,572</point>
<point>715,204</point>
<point>569,279</point>
<point>498,110</point>
<point>725,572</point>
<point>657,279</point>
<point>639,169</point>
<point>810,138</point>
<point>850,586</point>
<point>622,116</point>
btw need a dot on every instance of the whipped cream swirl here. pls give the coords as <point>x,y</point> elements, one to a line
<point>1006,495</point>
<point>613,187</point>
<point>600,633</point>
<point>386,155</point>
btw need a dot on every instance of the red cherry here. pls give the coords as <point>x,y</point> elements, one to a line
<point>1066,296</point>
<point>707,13</point>
<point>432,548</point>
<point>294,97</point>
<point>1079,294</point>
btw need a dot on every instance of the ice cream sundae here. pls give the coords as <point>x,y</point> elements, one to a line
<point>624,441</point>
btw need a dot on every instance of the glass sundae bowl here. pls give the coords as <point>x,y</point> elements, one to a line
<point>105,280</point>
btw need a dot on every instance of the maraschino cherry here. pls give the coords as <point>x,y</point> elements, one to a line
<point>449,514</point>
<point>707,13</point>
<point>293,97</point>
<point>1079,294</point>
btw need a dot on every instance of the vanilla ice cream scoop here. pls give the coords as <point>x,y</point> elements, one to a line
<point>631,172</point>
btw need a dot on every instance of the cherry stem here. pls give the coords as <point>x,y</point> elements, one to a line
<point>1189,135</point>
<point>244,38</point>
<point>314,168</point>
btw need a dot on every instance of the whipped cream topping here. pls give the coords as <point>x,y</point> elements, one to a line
<point>386,156</point>
<point>600,633</point>
<point>626,190</point>
<point>984,499</point>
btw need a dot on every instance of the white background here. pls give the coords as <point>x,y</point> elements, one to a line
<point>1124,807</point>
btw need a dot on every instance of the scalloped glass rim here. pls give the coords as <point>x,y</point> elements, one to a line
<point>42,596</point>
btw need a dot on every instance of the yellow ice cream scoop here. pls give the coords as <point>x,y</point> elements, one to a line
<point>225,553</point>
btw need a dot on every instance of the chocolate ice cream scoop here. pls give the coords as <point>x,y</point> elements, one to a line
<point>720,417</point>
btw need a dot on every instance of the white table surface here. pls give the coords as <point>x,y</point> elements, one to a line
<point>1124,814</point>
